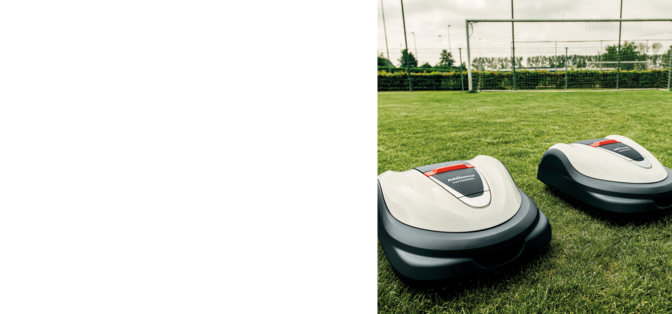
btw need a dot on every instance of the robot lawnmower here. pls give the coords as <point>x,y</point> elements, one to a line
<point>612,175</point>
<point>456,218</point>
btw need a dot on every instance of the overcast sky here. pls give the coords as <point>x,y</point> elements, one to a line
<point>427,26</point>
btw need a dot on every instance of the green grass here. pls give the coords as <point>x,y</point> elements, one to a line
<point>593,264</point>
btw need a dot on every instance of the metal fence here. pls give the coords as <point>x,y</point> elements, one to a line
<point>581,35</point>
<point>522,54</point>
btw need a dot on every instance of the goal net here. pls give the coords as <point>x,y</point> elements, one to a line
<point>570,54</point>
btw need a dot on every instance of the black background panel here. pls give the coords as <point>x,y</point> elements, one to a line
<point>465,181</point>
<point>624,150</point>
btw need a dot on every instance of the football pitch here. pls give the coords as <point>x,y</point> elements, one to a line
<point>592,264</point>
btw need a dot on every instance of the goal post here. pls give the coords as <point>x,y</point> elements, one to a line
<point>568,54</point>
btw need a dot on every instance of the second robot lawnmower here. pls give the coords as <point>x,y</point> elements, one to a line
<point>611,175</point>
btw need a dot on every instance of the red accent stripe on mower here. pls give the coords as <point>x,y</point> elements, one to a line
<point>600,143</point>
<point>447,168</point>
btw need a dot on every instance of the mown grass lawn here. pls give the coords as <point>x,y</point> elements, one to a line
<point>593,264</point>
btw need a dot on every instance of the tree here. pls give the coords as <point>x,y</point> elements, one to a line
<point>478,64</point>
<point>407,60</point>
<point>666,58</point>
<point>628,53</point>
<point>643,48</point>
<point>426,65</point>
<point>382,61</point>
<point>446,59</point>
<point>656,46</point>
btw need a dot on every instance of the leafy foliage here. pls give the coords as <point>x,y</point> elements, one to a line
<point>382,61</point>
<point>417,70</point>
<point>656,46</point>
<point>629,52</point>
<point>665,59</point>
<point>446,59</point>
<point>421,81</point>
<point>407,60</point>
<point>489,80</point>
<point>483,64</point>
<point>575,61</point>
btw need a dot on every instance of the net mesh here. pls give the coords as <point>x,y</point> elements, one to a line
<point>433,27</point>
<point>569,55</point>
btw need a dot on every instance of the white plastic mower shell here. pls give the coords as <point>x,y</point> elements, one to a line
<point>456,218</point>
<point>602,164</point>
<point>612,175</point>
<point>421,202</point>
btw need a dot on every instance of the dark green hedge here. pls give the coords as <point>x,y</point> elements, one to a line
<point>524,80</point>
<point>421,81</point>
<point>418,70</point>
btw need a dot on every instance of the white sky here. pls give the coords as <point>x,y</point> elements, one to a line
<point>428,19</point>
